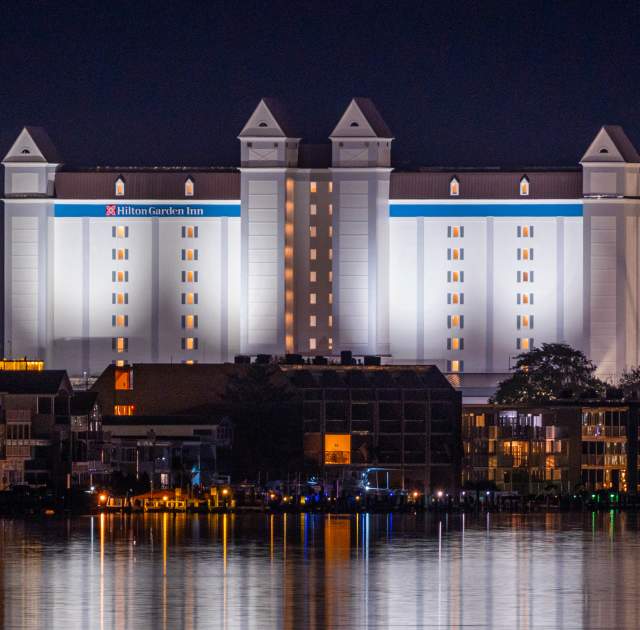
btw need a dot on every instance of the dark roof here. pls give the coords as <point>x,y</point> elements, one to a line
<point>434,184</point>
<point>373,117</point>
<point>44,143</point>
<point>282,116</point>
<point>314,155</point>
<point>622,142</point>
<point>82,403</point>
<point>177,419</point>
<point>144,184</point>
<point>32,382</point>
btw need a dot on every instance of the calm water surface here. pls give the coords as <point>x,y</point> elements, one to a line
<point>304,571</point>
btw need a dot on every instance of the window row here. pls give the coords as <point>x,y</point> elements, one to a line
<point>119,254</point>
<point>524,276</point>
<point>189,187</point>
<point>189,231</point>
<point>524,321</point>
<point>313,187</point>
<point>455,343</point>
<point>523,187</point>
<point>120,231</point>
<point>455,276</point>
<point>455,253</point>
<point>313,209</point>
<point>313,321</point>
<point>189,254</point>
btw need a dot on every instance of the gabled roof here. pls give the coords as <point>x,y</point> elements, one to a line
<point>82,403</point>
<point>269,119</point>
<point>611,144</point>
<point>32,382</point>
<point>33,144</point>
<point>361,118</point>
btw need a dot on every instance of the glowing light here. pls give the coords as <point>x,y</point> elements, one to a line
<point>165,498</point>
<point>225,492</point>
<point>102,498</point>
<point>440,493</point>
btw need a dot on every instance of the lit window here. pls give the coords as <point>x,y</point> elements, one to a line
<point>331,231</point>
<point>312,321</point>
<point>454,187</point>
<point>455,321</point>
<point>331,276</point>
<point>524,187</point>
<point>330,321</point>
<point>312,276</point>
<point>120,231</point>
<point>524,343</point>
<point>330,187</point>
<point>330,253</point>
<point>120,320</point>
<point>313,231</point>
<point>312,343</point>
<point>455,366</point>
<point>189,298</point>
<point>120,254</point>
<point>313,187</point>
<point>525,231</point>
<point>455,253</point>
<point>337,448</point>
<point>124,410</point>
<point>330,209</point>
<point>189,254</point>
<point>455,343</point>
<point>120,363</point>
<point>120,298</point>
<point>189,343</point>
<point>312,298</point>
<point>455,231</point>
<point>189,187</point>
<point>313,254</point>
<point>455,276</point>
<point>189,321</point>
<point>313,209</point>
<point>119,187</point>
<point>455,298</point>
<point>123,379</point>
<point>121,276</point>
<point>120,344</point>
<point>330,298</point>
<point>189,231</point>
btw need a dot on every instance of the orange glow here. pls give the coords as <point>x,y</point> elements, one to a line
<point>102,498</point>
<point>123,379</point>
<point>337,448</point>
<point>124,410</point>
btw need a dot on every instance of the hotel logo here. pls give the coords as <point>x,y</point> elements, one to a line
<point>110,211</point>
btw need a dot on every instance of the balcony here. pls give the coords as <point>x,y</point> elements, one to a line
<point>599,431</point>
<point>337,457</point>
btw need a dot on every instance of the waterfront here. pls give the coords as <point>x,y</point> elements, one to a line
<point>321,571</point>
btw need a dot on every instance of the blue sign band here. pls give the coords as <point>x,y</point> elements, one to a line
<point>485,210</point>
<point>150,211</point>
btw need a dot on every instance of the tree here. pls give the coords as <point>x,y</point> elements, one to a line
<point>267,423</point>
<point>630,380</point>
<point>550,372</point>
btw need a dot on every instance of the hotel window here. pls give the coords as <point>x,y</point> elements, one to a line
<point>189,254</point>
<point>313,231</point>
<point>312,276</point>
<point>455,276</point>
<point>189,343</point>
<point>454,187</point>
<point>331,231</point>
<point>455,298</point>
<point>525,276</point>
<point>312,343</point>
<point>124,410</point>
<point>313,209</point>
<point>120,254</point>
<point>456,253</point>
<point>525,231</point>
<point>120,320</point>
<point>455,366</point>
<point>330,298</point>
<point>189,321</point>
<point>330,209</point>
<point>313,254</point>
<point>524,186</point>
<point>312,298</point>
<point>524,343</point>
<point>119,187</point>
<point>330,187</point>
<point>455,231</point>
<point>120,276</point>
<point>189,231</point>
<point>189,298</point>
<point>455,321</point>
<point>189,276</point>
<point>524,321</point>
<point>331,253</point>
<point>330,321</point>
<point>120,344</point>
<point>189,187</point>
<point>123,379</point>
<point>312,321</point>
<point>524,298</point>
<point>331,276</point>
<point>525,254</point>
<point>120,231</point>
<point>313,187</point>
<point>455,343</point>
<point>120,298</point>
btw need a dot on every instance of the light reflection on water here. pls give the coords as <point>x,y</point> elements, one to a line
<point>311,571</point>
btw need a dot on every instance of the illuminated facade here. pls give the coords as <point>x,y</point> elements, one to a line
<point>315,250</point>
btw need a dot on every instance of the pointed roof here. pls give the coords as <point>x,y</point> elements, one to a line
<point>362,118</point>
<point>611,144</point>
<point>269,119</point>
<point>33,144</point>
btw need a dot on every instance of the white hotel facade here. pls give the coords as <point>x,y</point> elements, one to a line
<point>314,250</point>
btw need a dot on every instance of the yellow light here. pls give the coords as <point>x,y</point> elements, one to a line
<point>357,498</point>
<point>102,498</point>
<point>415,495</point>
<point>225,492</point>
<point>272,496</point>
<point>165,498</point>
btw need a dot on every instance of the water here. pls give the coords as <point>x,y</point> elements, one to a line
<point>305,571</point>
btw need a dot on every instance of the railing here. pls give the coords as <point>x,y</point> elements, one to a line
<point>18,451</point>
<point>18,415</point>
<point>337,457</point>
<point>604,460</point>
<point>602,431</point>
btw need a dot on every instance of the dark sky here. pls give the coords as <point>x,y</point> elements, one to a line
<point>459,83</point>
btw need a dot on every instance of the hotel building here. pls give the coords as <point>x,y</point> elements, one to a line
<point>314,250</point>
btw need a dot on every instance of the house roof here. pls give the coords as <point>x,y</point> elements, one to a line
<point>82,403</point>
<point>45,144</point>
<point>371,113</point>
<point>282,116</point>
<point>31,382</point>
<point>622,143</point>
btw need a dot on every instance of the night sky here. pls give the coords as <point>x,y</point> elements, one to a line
<point>459,83</point>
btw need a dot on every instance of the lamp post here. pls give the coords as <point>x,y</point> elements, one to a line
<point>152,438</point>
